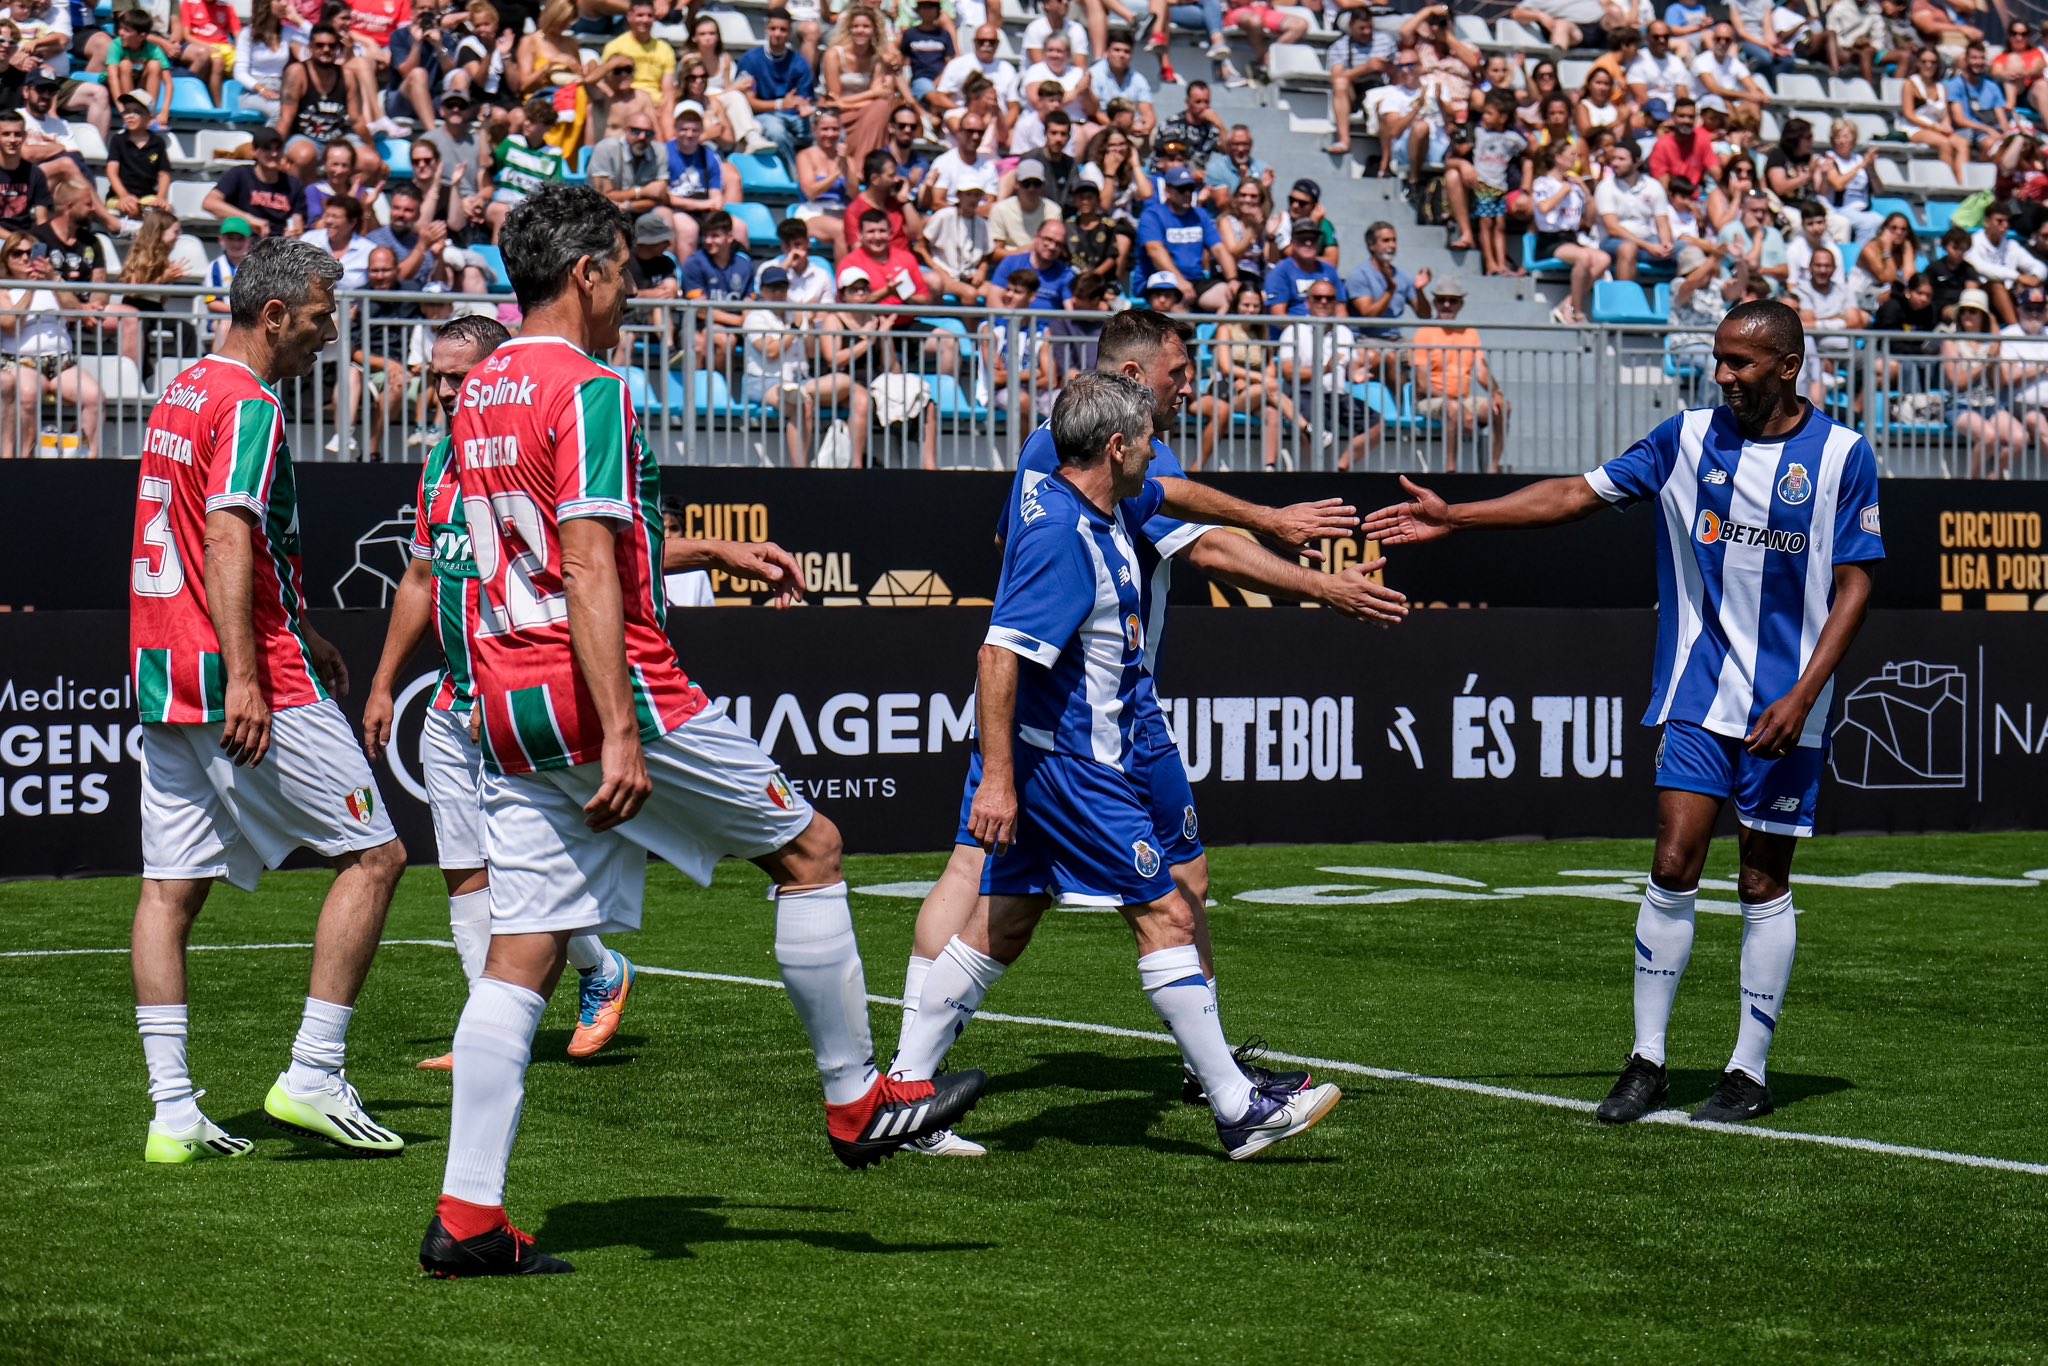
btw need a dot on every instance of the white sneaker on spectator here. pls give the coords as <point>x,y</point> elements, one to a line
<point>334,446</point>
<point>387,128</point>
<point>1219,50</point>
<point>1230,76</point>
<point>756,143</point>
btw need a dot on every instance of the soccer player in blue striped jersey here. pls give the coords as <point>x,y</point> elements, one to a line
<point>1059,675</point>
<point>1768,530</point>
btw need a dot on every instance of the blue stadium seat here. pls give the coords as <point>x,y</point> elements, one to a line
<point>1548,265</point>
<point>765,178</point>
<point>191,101</point>
<point>493,262</point>
<point>760,226</point>
<point>1940,213</point>
<point>1623,301</point>
<point>1380,399</point>
<point>953,401</point>
<point>397,154</point>
<point>579,174</point>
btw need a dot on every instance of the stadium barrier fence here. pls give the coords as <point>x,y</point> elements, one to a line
<point>938,390</point>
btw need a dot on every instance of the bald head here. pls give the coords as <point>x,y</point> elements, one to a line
<point>1774,324</point>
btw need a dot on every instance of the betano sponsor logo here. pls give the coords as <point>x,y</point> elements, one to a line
<point>1712,528</point>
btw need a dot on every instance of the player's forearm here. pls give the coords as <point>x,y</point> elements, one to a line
<point>230,593</point>
<point>1187,501</point>
<point>412,608</point>
<point>995,716</point>
<point>1243,563</point>
<point>597,621</point>
<point>1845,619</point>
<point>1551,502</point>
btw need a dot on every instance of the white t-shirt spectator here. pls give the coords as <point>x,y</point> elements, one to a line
<point>1729,74</point>
<point>813,285</point>
<point>687,588</point>
<point>1665,80</point>
<point>1636,208</point>
<point>1040,73</point>
<point>953,80</point>
<point>2017,347</point>
<point>1040,29</point>
<point>355,258</point>
<point>1298,344</point>
<point>1799,262</point>
<point>948,167</point>
<point>2006,261</point>
<point>792,366</point>
<point>1570,213</point>
<point>958,243</point>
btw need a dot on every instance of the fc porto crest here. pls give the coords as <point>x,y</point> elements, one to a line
<point>1134,632</point>
<point>1190,828</point>
<point>1145,859</point>
<point>1795,488</point>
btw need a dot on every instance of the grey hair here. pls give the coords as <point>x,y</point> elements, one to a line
<point>1093,407</point>
<point>281,268</point>
<point>484,333</point>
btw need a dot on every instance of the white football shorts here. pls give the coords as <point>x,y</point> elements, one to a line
<point>716,795</point>
<point>202,817</point>
<point>452,767</point>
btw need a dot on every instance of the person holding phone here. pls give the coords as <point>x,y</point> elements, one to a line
<point>35,349</point>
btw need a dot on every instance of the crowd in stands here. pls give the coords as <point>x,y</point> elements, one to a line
<point>924,155</point>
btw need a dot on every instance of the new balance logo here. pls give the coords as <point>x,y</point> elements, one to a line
<point>898,1123</point>
<point>1785,804</point>
<point>1123,575</point>
<point>1714,476</point>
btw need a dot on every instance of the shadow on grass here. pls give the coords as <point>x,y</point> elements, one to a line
<point>1689,1085</point>
<point>1137,1094</point>
<point>255,1124</point>
<point>669,1227</point>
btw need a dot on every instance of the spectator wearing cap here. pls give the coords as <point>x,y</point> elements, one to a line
<point>1048,260</point>
<point>456,142</point>
<point>957,243</point>
<point>652,268</point>
<point>236,237</point>
<point>1361,59</point>
<point>1197,128</point>
<point>810,281</point>
<point>1320,359</point>
<point>1380,291</point>
<point>1113,77</point>
<point>1971,365</point>
<point>1305,203</point>
<point>1288,283</point>
<point>1015,221</point>
<point>1634,214</point>
<point>2004,261</point>
<point>1453,383</point>
<point>1096,245</point>
<point>886,192</point>
<point>927,47</point>
<point>261,192</point>
<point>1169,155</point>
<point>1230,165</point>
<point>1162,292</point>
<point>1180,238</point>
<point>138,162</point>
<point>777,369</point>
<point>780,86</point>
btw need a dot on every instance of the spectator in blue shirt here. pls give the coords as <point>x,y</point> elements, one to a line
<point>782,86</point>
<point>718,273</point>
<point>1178,237</point>
<point>1382,291</point>
<point>1977,103</point>
<point>1048,260</point>
<point>926,48</point>
<point>1287,284</point>
<point>1230,165</point>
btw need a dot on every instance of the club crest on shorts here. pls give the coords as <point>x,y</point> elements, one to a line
<point>362,804</point>
<point>779,793</point>
<point>1134,633</point>
<point>1145,859</point>
<point>1189,827</point>
<point>1795,488</point>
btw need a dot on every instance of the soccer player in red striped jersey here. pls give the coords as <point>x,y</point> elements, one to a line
<point>245,754</point>
<point>438,590</point>
<point>598,748</point>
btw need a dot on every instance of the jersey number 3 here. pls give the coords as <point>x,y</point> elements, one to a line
<point>167,579</point>
<point>525,604</point>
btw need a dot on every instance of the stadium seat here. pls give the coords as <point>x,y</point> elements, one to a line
<point>760,226</point>
<point>493,262</point>
<point>737,32</point>
<point>1572,73</point>
<point>1511,33</point>
<point>1853,90</point>
<point>765,178</point>
<point>91,145</point>
<point>210,145</point>
<point>1794,88</point>
<point>1891,90</point>
<point>953,401</point>
<point>1297,65</point>
<point>1623,301</point>
<point>1932,175</point>
<point>579,174</point>
<point>711,396</point>
<point>1380,399</point>
<point>169,368</point>
<point>1940,214</point>
<point>120,378</point>
<point>1549,265</point>
<point>1473,30</point>
<point>1979,175</point>
<point>188,198</point>
<point>397,154</point>
<point>1870,127</point>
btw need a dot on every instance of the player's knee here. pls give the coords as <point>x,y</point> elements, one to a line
<point>812,859</point>
<point>1758,885</point>
<point>386,862</point>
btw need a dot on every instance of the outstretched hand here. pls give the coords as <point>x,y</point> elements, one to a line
<point>772,565</point>
<point>1426,518</point>
<point>1302,524</point>
<point>1359,596</point>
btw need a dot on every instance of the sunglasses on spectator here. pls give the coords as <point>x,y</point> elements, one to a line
<point>1322,298</point>
<point>1300,201</point>
<point>639,132</point>
<point>990,42</point>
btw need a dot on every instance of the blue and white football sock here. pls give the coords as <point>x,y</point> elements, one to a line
<point>955,985</point>
<point>1663,947</point>
<point>1173,979</point>
<point>321,1048</point>
<point>163,1030</point>
<point>469,925</point>
<point>913,988</point>
<point>820,962</point>
<point>1770,934</point>
<point>493,1042</point>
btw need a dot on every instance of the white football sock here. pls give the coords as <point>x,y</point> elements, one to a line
<point>163,1030</point>
<point>321,1049</point>
<point>913,988</point>
<point>586,951</point>
<point>820,962</point>
<point>469,924</point>
<point>955,985</point>
<point>492,1044</point>
<point>1663,947</point>
<point>1770,933</point>
<point>1173,979</point>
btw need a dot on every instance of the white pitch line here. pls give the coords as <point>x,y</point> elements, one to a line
<point>1585,1107</point>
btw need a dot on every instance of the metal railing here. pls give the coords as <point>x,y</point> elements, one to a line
<point>748,383</point>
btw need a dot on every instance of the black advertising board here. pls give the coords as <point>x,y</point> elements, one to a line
<point>1296,726</point>
<point>908,538</point>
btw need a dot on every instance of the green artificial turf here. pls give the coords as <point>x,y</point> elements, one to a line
<point>686,1172</point>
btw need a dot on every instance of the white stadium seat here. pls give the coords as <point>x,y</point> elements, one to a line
<point>1297,62</point>
<point>1978,175</point>
<point>120,378</point>
<point>1804,89</point>
<point>1473,30</point>
<point>733,27</point>
<point>1931,175</point>
<point>91,145</point>
<point>1510,33</point>
<point>188,199</point>
<point>210,145</point>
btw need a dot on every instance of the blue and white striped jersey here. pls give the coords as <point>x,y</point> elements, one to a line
<point>1164,537</point>
<point>1070,602</point>
<point>1747,546</point>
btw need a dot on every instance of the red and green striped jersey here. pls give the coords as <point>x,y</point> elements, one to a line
<point>543,435</point>
<point>214,442</point>
<point>440,534</point>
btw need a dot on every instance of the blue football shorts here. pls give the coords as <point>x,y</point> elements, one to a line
<point>1083,831</point>
<point>1777,796</point>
